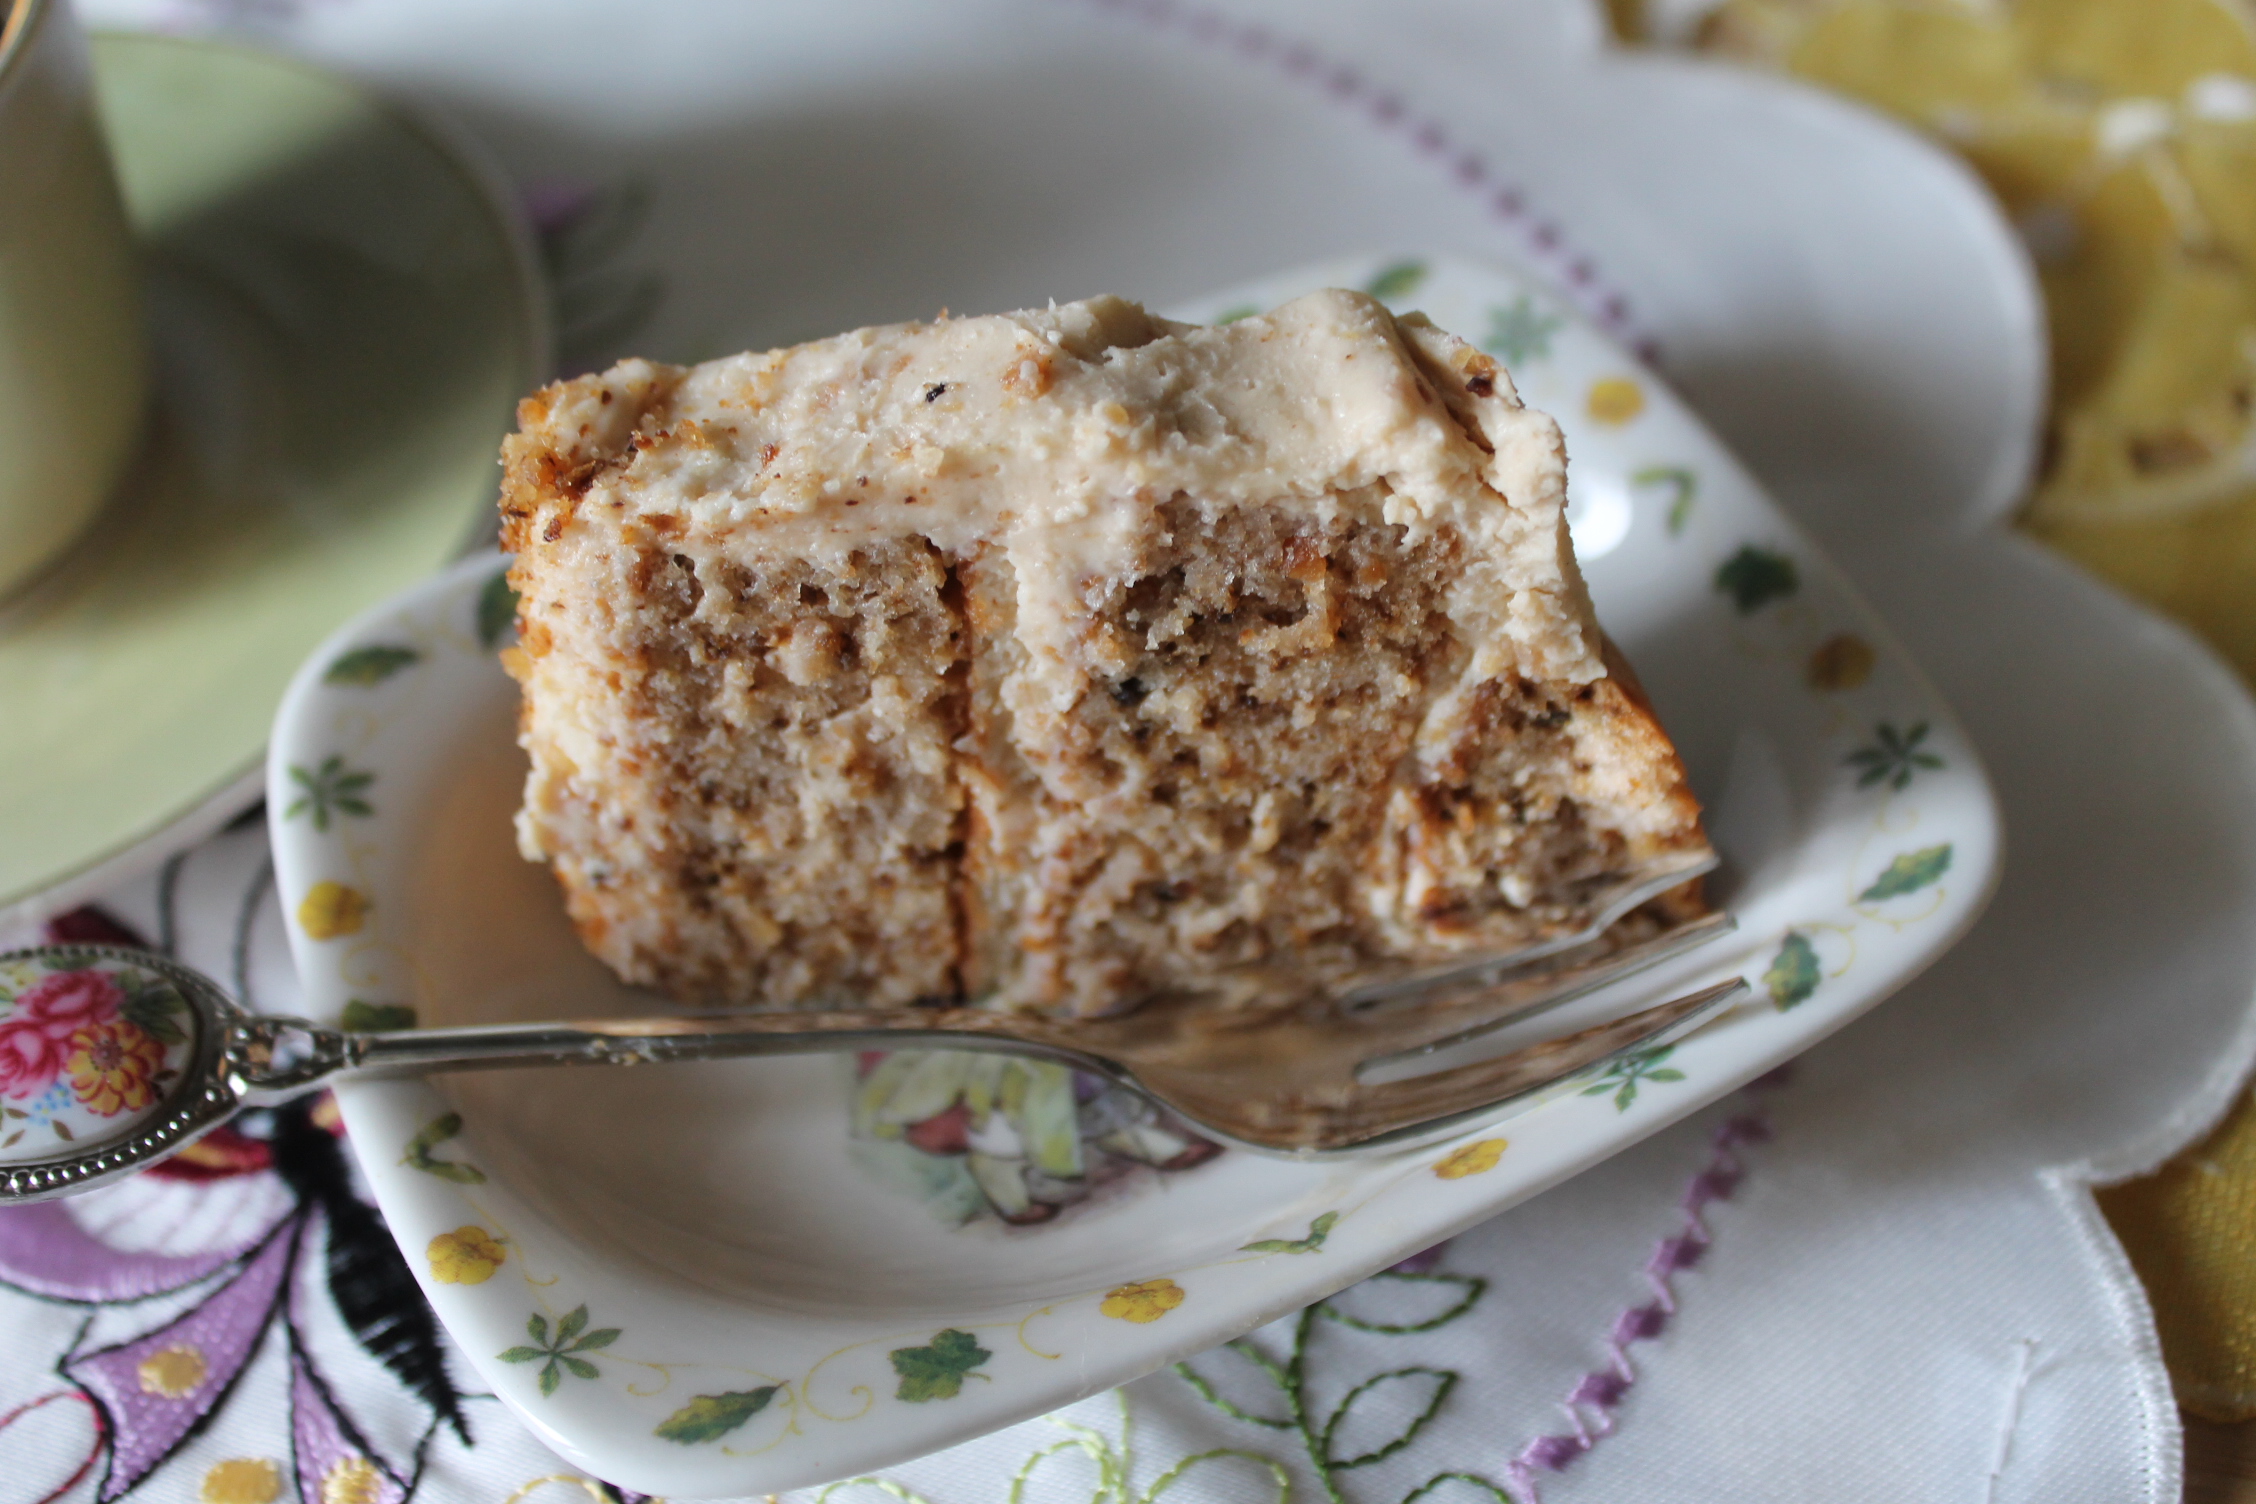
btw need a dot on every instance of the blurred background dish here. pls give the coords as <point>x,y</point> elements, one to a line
<point>343,315</point>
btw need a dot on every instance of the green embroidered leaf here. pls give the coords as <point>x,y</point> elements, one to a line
<point>419,1157</point>
<point>1497,1495</point>
<point>497,608</point>
<point>1232,315</point>
<point>377,1018</point>
<point>522,1354</point>
<point>1398,280</point>
<point>1318,1231</point>
<point>1909,873</point>
<point>1682,482</point>
<point>369,665</point>
<point>1213,1395</point>
<point>712,1416</point>
<point>1436,1382</point>
<point>937,1372</point>
<point>1520,333</point>
<point>1394,1303</point>
<point>1793,973</point>
<point>1754,577</point>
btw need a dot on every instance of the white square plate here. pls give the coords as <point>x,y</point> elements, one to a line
<point>741,1277</point>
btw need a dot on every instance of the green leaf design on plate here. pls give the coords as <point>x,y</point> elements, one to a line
<point>497,609</point>
<point>151,1005</point>
<point>1754,577</point>
<point>1522,332</point>
<point>1793,973</point>
<point>419,1157</point>
<point>571,1337</point>
<point>372,664</point>
<point>712,1416</point>
<point>1683,487</point>
<point>1909,873</point>
<point>1241,311</point>
<point>377,1018</point>
<point>937,1372</point>
<point>1397,279</point>
<point>1318,1231</point>
<point>329,790</point>
<point>1894,758</point>
<point>1623,1076</point>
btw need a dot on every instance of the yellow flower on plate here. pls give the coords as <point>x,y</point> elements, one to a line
<point>330,910</point>
<point>1616,399</point>
<point>1146,1300</point>
<point>174,1372</point>
<point>465,1256</point>
<point>241,1480</point>
<point>1470,1159</point>
<point>1842,661</point>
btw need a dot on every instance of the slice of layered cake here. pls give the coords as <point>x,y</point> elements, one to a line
<point>1070,657</point>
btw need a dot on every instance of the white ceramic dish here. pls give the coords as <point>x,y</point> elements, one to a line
<point>701,1282</point>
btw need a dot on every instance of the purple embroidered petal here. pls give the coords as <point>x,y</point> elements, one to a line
<point>1748,1128</point>
<point>1640,1323</point>
<point>1554,1452</point>
<point>1603,1389</point>
<point>333,1461</point>
<point>44,1252</point>
<point>1715,1184</point>
<point>1679,1252</point>
<point>158,1387</point>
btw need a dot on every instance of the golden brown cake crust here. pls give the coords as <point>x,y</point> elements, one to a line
<point>1055,659</point>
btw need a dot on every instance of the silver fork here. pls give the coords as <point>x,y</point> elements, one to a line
<point>1272,1069</point>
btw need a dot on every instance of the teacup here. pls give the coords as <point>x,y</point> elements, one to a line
<point>73,361</point>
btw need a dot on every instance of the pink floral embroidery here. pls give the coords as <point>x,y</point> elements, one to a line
<point>35,1037</point>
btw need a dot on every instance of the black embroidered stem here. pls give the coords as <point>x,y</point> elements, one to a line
<point>368,1279</point>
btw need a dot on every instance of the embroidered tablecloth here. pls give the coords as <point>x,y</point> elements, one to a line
<point>1876,1277</point>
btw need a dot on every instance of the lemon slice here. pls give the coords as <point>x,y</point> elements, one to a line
<point>2120,136</point>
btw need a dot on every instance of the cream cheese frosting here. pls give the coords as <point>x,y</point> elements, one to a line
<point>822,447</point>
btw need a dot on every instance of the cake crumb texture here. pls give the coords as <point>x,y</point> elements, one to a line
<point>1061,658</point>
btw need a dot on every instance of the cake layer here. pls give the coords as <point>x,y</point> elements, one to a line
<point>1064,657</point>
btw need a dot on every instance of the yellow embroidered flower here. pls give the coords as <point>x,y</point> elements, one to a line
<point>1146,1300</point>
<point>331,910</point>
<point>1470,1159</point>
<point>1842,661</point>
<point>113,1067</point>
<point>173,1373</point>
<point>1617,399</point>
<point>241,1480</point>
<point>465,1256</point>
<point>352,1480</point>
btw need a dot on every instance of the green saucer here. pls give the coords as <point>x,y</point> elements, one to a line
<point>343,315</point>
